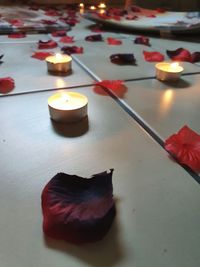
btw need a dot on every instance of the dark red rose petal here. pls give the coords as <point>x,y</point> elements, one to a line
<point>52,13</point>
<point>76,209</point>
<point>94,38</point>
<point>96,29</point>
<point>59,33</point>
<point>195,57</point>
<point>179,54</point>
<point>67,39</point>
<point>135,9</point>
<point>72,50</point>
<point>17,35</point>
<point>160,10</point>
<point>41,55</point>
<point>185,147</point>
<point>151,16</point>
<point>131,17</point>
<point>47,44</point>
<point>153,56</point>
<point>142,40</point>
<point>123,59</point>
<point>113,41</point>
<point>7,84</point>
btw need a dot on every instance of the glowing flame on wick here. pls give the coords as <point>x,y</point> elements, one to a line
<point>174,65</point>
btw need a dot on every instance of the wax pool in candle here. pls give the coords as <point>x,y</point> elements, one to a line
<point>169,67</point>
<point>67,107</point>
<point>58,58</point>
<point>102,5</point>
<point>59,63</point>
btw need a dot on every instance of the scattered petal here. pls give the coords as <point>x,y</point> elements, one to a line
<point>113,41</point>
<point>116,86</point>
<point>72,50</point>
<point>67,39</point>
<point>161,10</point>
<point>94,38</point>
<point>16,22</point>
<point>153,56</point>
<point>48,22</point>
<point>195,57</point>
<point>135,9</point>
<point>7,84</point>
<point>41,55</point>
<point>142,40</point>
<point>131,17</point>
<point>96,28</point>
<point>179,54</point>
<point>110,84</point>
<point>17,35</point>
<point>47,44</point>
<point>123,59</point>
<point>151,16</point>
<point>185,147</point>
<point>76,209</point>
<point>59,33</point>
<point>52,13</point>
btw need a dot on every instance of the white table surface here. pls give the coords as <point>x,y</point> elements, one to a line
<point>158,213</point>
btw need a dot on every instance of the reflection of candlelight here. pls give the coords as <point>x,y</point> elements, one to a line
<point>92,8</point>
<point>59,63</point>
<point>81,6</point>
<point>166,101</point>
<point>67,107</point>
<point>60,83</point>
<point>166,71</point>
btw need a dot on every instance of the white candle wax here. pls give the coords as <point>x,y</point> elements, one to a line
<point>59,63</point>
<point>67,107</point>
<point>166,71</point>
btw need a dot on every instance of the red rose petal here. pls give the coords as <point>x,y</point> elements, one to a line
<point>185,147</point>
<point>195,57</point>
<point>52,13</point>
<point>41,55</point>
<point>142,40</point>
<point>180,54</point>
<point>48,22</point>
<point>7,84</point>
<point>116,86</point>
<point>160,10</point>
<point>47,44</point>
<point>72,50</point>
<point>113,41</point>
<point>151,16</point>
<point>17,35</point>
<point>153,56</point>
<point>67,39</point>
<point>16,22</point>
<point>110,84</point>
<point>58,33</point>
<point>131,17</point>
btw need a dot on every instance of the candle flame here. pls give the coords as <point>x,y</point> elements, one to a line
<point>92,7</point>
<point>102,5</point>
<point>64,97</point>
<point>81,5</point>
<point>58,56</point>
<point>175,65</point>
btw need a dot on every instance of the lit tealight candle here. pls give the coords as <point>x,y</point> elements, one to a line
<point>59,63</point>
<point>102,5</point>
<point>81,5</point>
<point>67,107</point>
<point>93,8</point>
<point>166,71</point>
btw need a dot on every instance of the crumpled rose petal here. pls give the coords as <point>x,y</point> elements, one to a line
<point>142,40</point>
<point>131,17</point>
<point>72,50</point>
<point>96,28</point>
<point>195,57</point>
<point>16,22</point>
<point>185,147</point>
<point>47,44</point>
<point>116,86</point>
<point>179,54</point>
<point>41,55</point>
<point>123,59</point>
<point>59,33</point>
<point>153,56</point>
<point>67,39</point>
<point>113,41</point>
<point>151,16</point>
<point>17,35</point>
<point>76,209</point>
<point>182,54</point>
<point>94,38</point>
<point>7,84</point>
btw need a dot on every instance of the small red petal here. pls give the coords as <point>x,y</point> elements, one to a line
<point>47,44</point>
<point>160,10</point>
<point>48,22</point>
<point>67,39</point>
<point>16,22</point>
<point>52,13</point>
<point>185,147</point>
<point>7,84</point>
<point>111,84</point>
<point>113,41</point>
<point>180,54</point>
<point>41,55</point>
<point>131,17</point>
<point>17,35</point>
<point>153,56</point>
<point>58,33</point>
<point>151,16</point>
